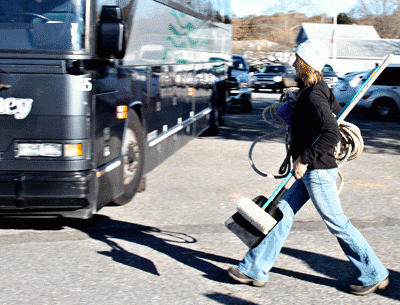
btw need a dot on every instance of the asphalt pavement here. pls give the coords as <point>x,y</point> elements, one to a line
<point>170,245</point>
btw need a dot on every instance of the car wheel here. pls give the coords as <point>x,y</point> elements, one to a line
<point>133,159</point>
<point>384,108</point>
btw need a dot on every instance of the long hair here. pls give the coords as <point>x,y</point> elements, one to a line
<point>308,75</point>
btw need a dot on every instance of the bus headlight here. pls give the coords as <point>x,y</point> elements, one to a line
<point>48,150</point>
<point>39,150</point>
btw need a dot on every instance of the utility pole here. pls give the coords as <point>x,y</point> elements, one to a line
<point>334,35</point>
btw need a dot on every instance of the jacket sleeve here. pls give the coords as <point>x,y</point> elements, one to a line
<point>330,134</point>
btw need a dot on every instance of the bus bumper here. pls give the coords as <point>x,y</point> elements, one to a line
<point>51,193</point>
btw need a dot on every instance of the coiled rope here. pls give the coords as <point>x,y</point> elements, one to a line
<point>349,148</point>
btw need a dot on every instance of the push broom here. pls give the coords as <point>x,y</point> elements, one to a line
<point>255,218</point>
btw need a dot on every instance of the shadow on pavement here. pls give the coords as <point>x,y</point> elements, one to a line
<point>342,272</point>
<point>338,273</point>
<point>105,229</point>
<point>335,272</point>
<point>228,299</point>
<point>247,127</point>
<point>382,136</point>
<point>170,243</point>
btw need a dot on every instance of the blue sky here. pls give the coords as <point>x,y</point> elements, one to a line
<point>258,7</point>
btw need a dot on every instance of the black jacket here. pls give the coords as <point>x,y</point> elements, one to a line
<point>313,118</point>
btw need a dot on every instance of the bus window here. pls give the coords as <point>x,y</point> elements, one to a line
<point>42,24</point>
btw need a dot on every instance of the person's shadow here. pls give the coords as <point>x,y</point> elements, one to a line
<point>339,273</point>
<point>334,272</point>
<point>170,243</point>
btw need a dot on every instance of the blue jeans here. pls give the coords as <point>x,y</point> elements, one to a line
<point>320,186</point>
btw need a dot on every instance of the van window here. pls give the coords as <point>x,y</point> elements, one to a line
<point>327,69</point>
<point>389,77</point>
<point>238,63</point>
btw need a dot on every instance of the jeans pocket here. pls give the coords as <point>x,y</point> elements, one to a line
<point>326,175</point>
<point>332,173</point>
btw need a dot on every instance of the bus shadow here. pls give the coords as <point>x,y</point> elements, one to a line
<point>170,243</point>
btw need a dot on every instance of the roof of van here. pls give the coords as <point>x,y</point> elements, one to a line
<point>352,41</point>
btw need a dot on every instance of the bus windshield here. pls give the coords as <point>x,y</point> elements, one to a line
<point>42,24</point>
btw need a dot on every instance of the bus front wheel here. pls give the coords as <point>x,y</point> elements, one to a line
<point>133,158</point>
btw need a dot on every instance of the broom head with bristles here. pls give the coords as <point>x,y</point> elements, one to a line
<point>256,215</point>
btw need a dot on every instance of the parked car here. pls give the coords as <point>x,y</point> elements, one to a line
<point>239,83</point>
<point>275,77</point>
<point>329,75</point>
<point>382,100</point>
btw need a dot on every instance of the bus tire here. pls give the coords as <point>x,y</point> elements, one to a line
<point>223,96</point>
<point>215,121</point>
<point>133,159</point>
<point>215,116</point>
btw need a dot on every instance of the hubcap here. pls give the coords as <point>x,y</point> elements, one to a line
<point>131,156</point>
<point>384,109</point>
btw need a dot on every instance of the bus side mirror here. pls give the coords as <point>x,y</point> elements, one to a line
<point>111,33</point>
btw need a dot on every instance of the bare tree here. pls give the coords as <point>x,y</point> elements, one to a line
<point>245,28</point>
<point>368,8</point>
<point>261,52</point>
<point>289,6</point>
<point>285,20</point>
<point>384,15</point>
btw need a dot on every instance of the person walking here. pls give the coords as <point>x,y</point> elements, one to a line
<point>315,170</point>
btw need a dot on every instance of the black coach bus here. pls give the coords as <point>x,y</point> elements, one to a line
<point>94,94</point>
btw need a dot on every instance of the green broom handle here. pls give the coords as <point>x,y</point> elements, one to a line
<point>289,179</point>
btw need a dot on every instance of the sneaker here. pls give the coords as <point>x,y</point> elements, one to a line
<point>243,278</point>
<point>364,290</point>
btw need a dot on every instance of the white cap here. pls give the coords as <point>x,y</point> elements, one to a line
<point>314,52</point>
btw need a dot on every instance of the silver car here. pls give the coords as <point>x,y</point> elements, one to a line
<point>382,100</point>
